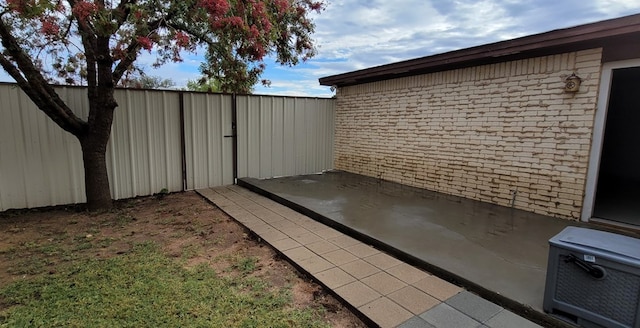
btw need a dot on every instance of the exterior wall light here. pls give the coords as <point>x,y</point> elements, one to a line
<point>572,83</point>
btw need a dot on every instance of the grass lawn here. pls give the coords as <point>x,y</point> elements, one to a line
<point>171,262</point>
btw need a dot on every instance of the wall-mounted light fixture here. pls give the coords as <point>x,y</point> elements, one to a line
<point>572,83</point>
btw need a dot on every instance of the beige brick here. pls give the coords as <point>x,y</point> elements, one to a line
<point>477,132</point>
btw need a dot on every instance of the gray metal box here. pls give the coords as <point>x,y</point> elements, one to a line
<point>593,278</point>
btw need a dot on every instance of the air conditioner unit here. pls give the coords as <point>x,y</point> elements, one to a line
<point>593,278</point>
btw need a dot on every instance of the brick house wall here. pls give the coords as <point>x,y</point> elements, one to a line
<point>482,132</point>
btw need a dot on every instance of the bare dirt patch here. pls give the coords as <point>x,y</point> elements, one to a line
<point>35,243</point>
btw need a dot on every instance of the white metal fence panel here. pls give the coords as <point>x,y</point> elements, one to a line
<point>40,164</point>
<point>283,136</point>
<point>144,154</point>
<point>209,155</point>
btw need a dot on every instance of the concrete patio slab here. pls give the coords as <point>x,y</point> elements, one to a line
<point>299,254</point>
<point>344,241</point>
<point>508,319</point>
<point>322,247</point>
<point>386,313</point>
<point>315,264</point>
<point>356,273</point>
<point>383,283</point>
<point>407,273</point>
<point>357,293</point>
<point>307,238</point>
<point>285,244</point>
<point>382,261</point>
<point>279,224</point>
<point>360,269</point>
<point>499,252</point>
<point>319,229</point>
<point>413,299</point>
<point>273,235</point>
<point>326,233</point>
<point>476,307</point>
<point>339,257</point>
<point>444,316</point>
<point>437,287</point>
<point>361,250</point>
<point>416,322</point>
<point>335,277</point>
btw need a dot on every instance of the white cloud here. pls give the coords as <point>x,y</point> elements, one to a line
<point>298,88</point>
<point>348,28</point>
<point>354,35</point>
<point>617,7</point>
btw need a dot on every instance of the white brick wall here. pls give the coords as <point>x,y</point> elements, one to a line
<point>480,132</point>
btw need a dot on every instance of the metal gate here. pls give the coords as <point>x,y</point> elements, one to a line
<point>208,136</point>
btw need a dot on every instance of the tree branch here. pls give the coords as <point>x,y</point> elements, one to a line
<point>127,61</point>
<point>122,12</point>
<point>131,53</point>
<point>89,44</point>
<point>31,81</point>
<point>88,39</point>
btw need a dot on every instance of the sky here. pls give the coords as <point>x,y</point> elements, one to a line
<point>357,34</point>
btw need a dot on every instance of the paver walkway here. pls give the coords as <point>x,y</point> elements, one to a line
<point>389,292</point>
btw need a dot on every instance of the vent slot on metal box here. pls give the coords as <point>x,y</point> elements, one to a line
<point>594,277</point>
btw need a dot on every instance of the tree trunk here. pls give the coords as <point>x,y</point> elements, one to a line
<point>96,180</point>
<point>94,139</point>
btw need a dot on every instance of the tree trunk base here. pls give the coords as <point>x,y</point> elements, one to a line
<point>96,179</point>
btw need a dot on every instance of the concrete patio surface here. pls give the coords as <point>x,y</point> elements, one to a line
<point>383,290</point>
<point>497,252</point>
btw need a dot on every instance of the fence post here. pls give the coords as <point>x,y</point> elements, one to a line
<point>183,147</point>
<point>234,132</point>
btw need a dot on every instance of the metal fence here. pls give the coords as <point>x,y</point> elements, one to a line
<point>280,136</point>
<point>161,139</point>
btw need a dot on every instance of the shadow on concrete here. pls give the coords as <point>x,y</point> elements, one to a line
<point>495,251</point>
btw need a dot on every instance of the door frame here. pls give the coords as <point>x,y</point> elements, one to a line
<point>598,134</point>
